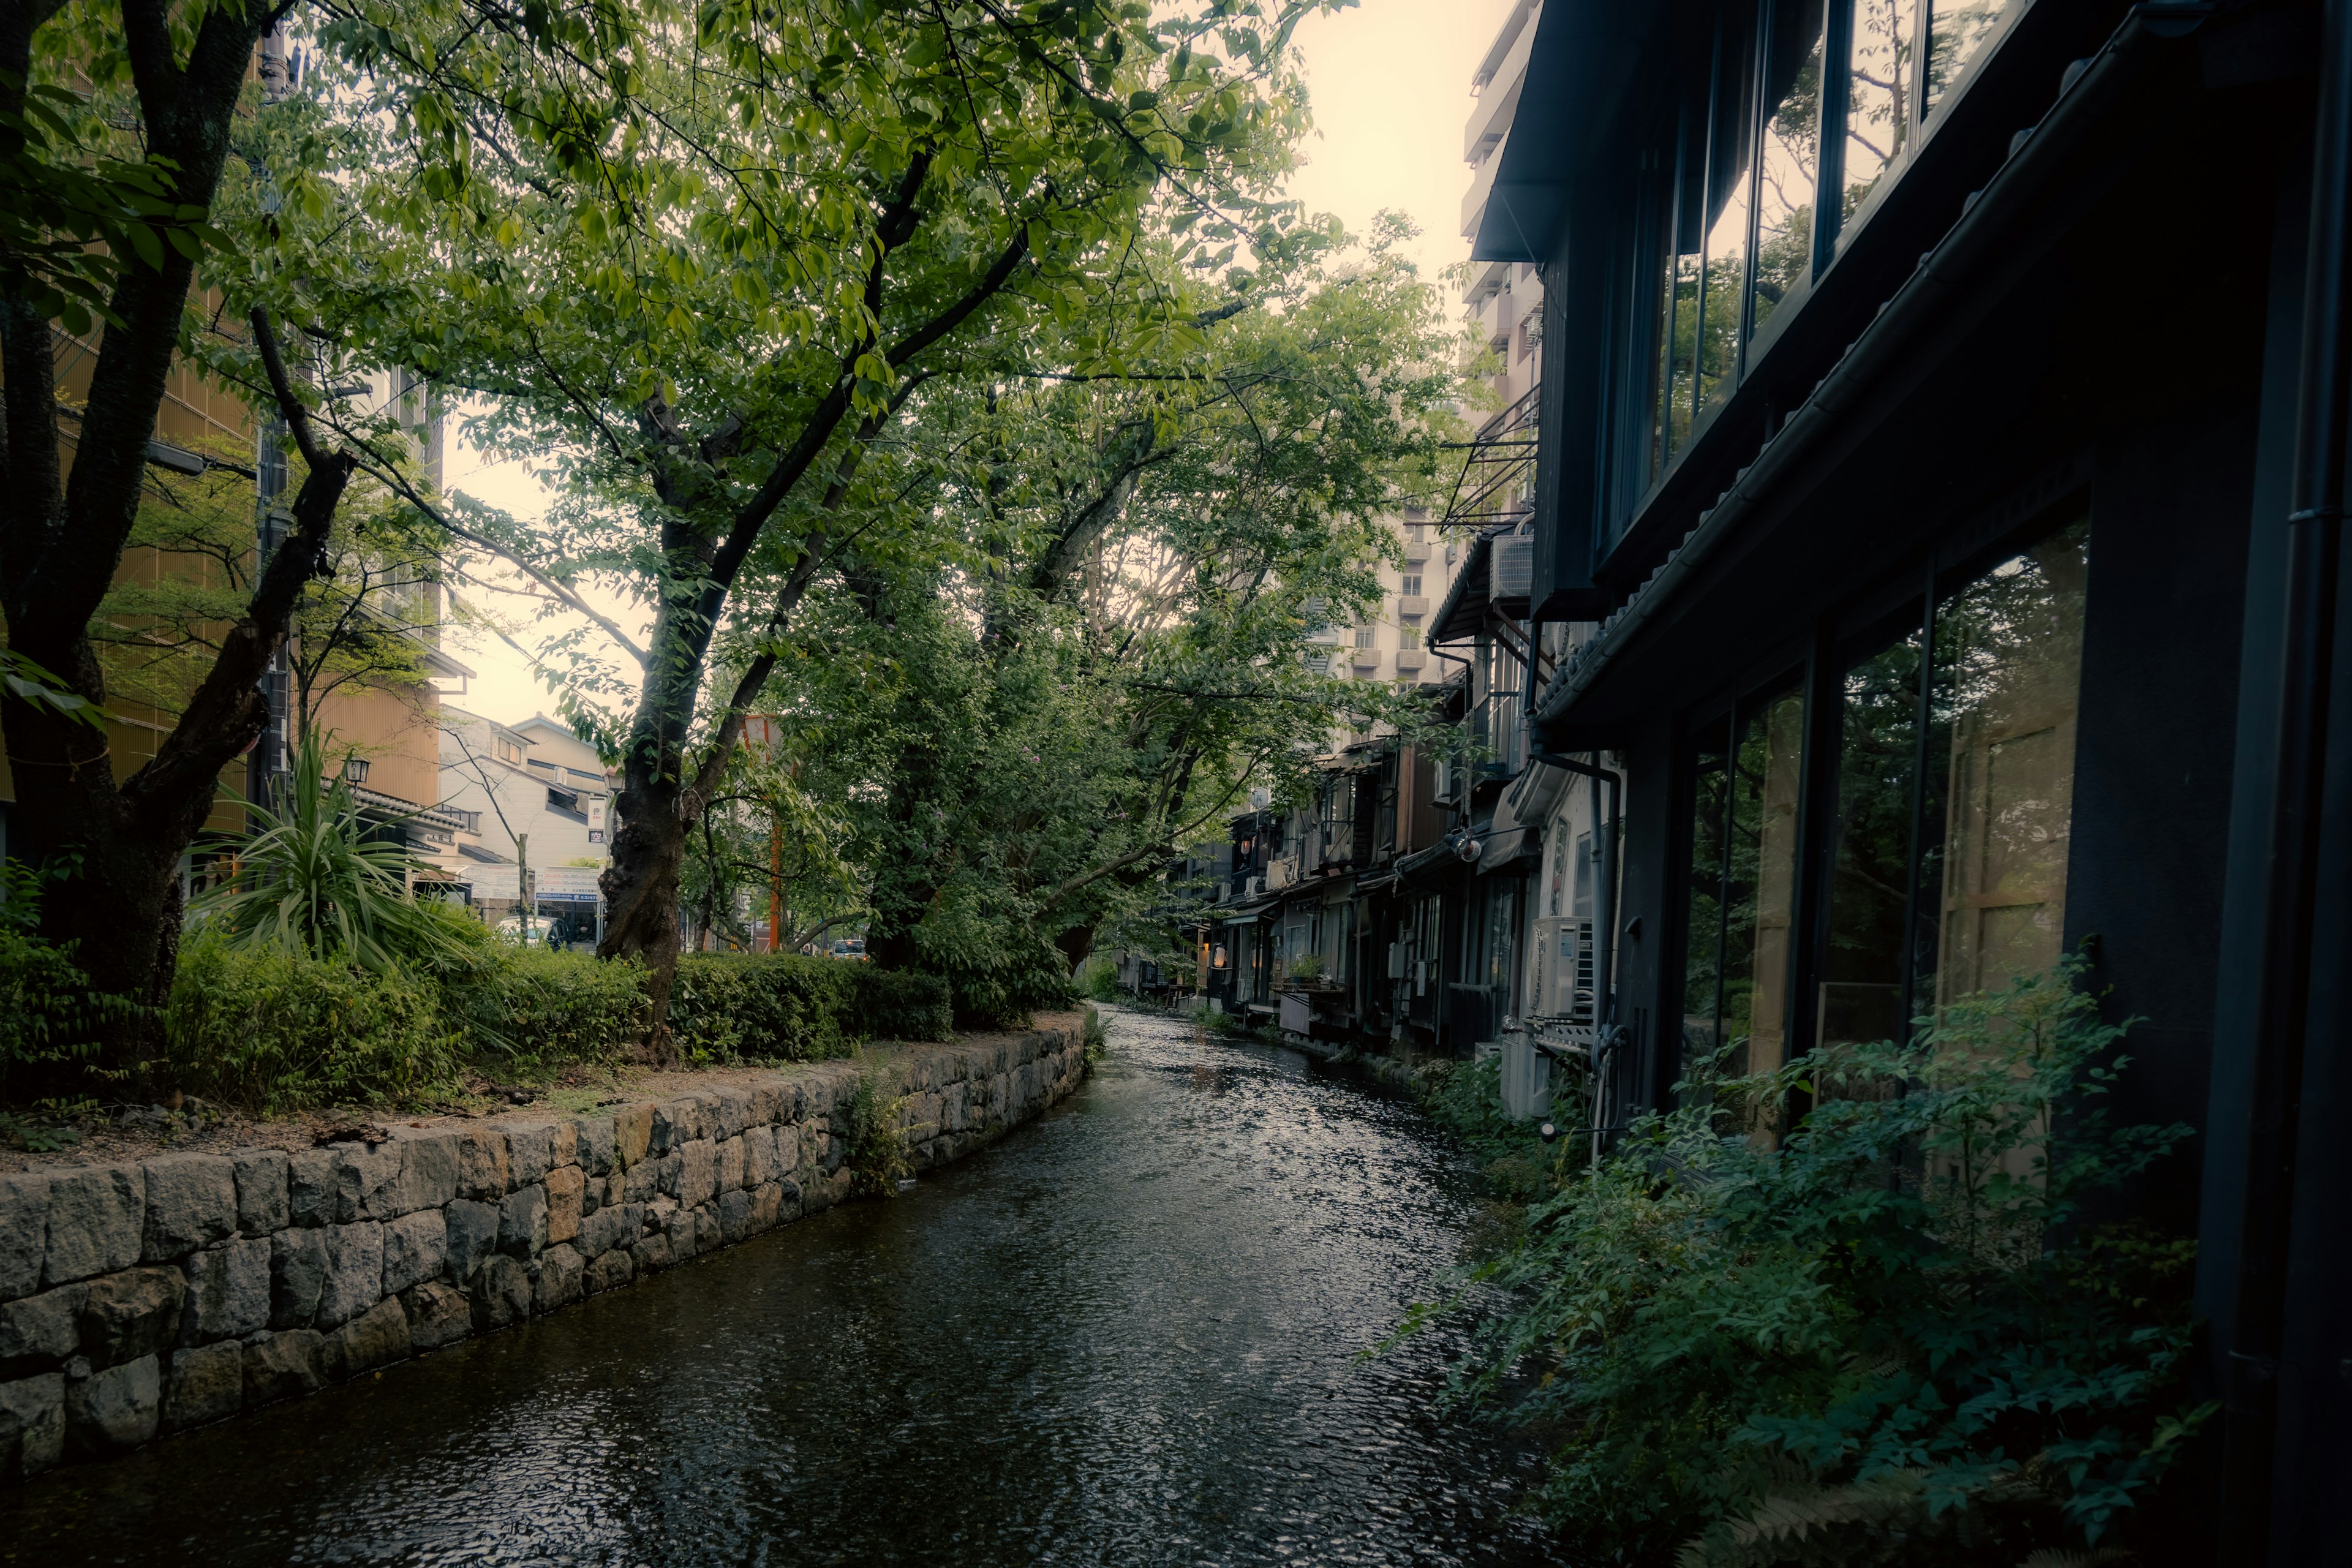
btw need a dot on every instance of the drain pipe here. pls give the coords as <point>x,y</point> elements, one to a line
<point>2252,1449</point>
<point>1606,1036</point>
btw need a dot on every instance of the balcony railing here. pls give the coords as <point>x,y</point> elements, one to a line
<point>1497,483</point>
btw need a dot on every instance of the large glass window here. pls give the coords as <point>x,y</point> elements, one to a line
<point>1880,71</point>
<point>2006,692</point>
<point>1729,205</point>
<point>1864,970</point>
<point>1959,31</point>
<point>1950,867</point>
<point>1710,797</point>
<point>1743,883</point>
<point>1788,168</point>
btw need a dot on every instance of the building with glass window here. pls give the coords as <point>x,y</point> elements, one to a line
<point>1940,460</point>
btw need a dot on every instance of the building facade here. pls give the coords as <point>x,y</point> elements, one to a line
<point>525,797</point>
<point>1951,587</point>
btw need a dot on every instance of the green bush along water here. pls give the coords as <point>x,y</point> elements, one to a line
<point>1905,1329</point>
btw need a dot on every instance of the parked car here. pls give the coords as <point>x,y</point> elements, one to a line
<point>852,948</point>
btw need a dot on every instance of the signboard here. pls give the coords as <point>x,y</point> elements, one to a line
<point>496,884</point>
<point>762,733</point>
<point>596,810</point>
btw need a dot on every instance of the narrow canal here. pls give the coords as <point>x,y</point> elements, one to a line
<point>1128,1334</point>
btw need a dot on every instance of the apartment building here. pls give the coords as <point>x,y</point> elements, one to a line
<point>532,806</point>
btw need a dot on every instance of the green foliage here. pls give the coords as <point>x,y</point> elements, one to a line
<point>1098,979</point>
<point>898,1004</point>
<point>732,1006</point>
<point>51,1013</point>
<point>1097,1038</point>
<point>1466,1100</point>
<point>316,879</point>
<point>271,1027</point>
<point>530,1008</point>
<point>1900,1320</point>
<point>877,1157</point>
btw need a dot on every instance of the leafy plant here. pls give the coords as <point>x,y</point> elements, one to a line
<point>1902,1323</point>
<point>878,1155</point>
<point>314,881</point>
<point>272,1028</point>
<point>1466,1100</point>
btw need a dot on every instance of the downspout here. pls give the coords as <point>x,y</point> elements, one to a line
<point>2291,873</point>
<point>1608,1039</point>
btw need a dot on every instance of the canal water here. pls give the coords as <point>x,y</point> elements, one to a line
<point>1129,1333</point>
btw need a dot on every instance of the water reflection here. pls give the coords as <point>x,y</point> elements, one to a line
<point>1126,1335</point>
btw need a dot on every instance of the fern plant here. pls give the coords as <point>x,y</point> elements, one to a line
<point>1901,1325</point>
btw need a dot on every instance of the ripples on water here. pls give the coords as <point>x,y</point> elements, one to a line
<point>1126,1335</point>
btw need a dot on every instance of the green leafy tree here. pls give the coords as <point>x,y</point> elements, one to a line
<point>708,271</point>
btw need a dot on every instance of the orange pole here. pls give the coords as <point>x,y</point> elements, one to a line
<point>775,885</point>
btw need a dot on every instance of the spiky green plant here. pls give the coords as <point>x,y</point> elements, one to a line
<point>312,882</point>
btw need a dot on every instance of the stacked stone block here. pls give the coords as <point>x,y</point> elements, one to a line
<point>138,1300</point>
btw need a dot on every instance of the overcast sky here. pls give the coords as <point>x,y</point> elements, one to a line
<point>1390,81</point>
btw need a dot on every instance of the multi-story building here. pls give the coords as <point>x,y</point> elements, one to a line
<point>383,725</point>
<point>1954,585</point>
<point>526,797</point>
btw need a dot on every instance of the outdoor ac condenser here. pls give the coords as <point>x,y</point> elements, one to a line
<point>1561,985</point>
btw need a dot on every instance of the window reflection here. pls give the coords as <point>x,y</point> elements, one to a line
<point>1879,73</point>
<point>1730,208</point>
<point>1703,947</point>
<point>1760,885</point>
<point>2009,661</point>
<point>1788,172</point>
<point>1861,996</point>
<point>1959,32</point>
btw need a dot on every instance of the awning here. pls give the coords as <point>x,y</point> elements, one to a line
<point>1245,915</point>
<point>1497,851</point>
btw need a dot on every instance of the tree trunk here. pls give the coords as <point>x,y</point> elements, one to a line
<point>641,885</point>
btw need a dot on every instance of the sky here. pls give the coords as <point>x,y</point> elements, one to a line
<point>1390,84</point>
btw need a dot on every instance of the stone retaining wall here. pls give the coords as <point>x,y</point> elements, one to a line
<point>141,1299</point>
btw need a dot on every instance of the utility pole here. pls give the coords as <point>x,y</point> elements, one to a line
<point>775,876</point>
<point>523,888</point>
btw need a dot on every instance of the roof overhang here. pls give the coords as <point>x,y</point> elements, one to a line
<point>1579,70</point>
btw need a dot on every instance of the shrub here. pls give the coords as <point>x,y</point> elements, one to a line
<point>50,1014</point>
<point>538,1009</point>
<point>276,1029</point>
<point>1466,1100</point>
<point>899,1005</point>
<point>876,1157</point>
<point>315,878</point>
<point>1099,980</point>
<point>1897,1335</point>
<point>741,1006</point>
<point>996,977</point>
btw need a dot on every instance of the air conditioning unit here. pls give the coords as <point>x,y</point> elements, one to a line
<point>1562,986</point>
<point>1280,874</point>
<point>1257,886</point>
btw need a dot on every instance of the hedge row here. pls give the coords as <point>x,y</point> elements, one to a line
<point>277,1031</point>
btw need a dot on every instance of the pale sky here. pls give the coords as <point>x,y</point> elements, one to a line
<point>1389,82</point>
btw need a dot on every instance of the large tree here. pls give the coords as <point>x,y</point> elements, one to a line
<point>114,129</point>
<point>705,278</point>
<point>1107,644</point>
